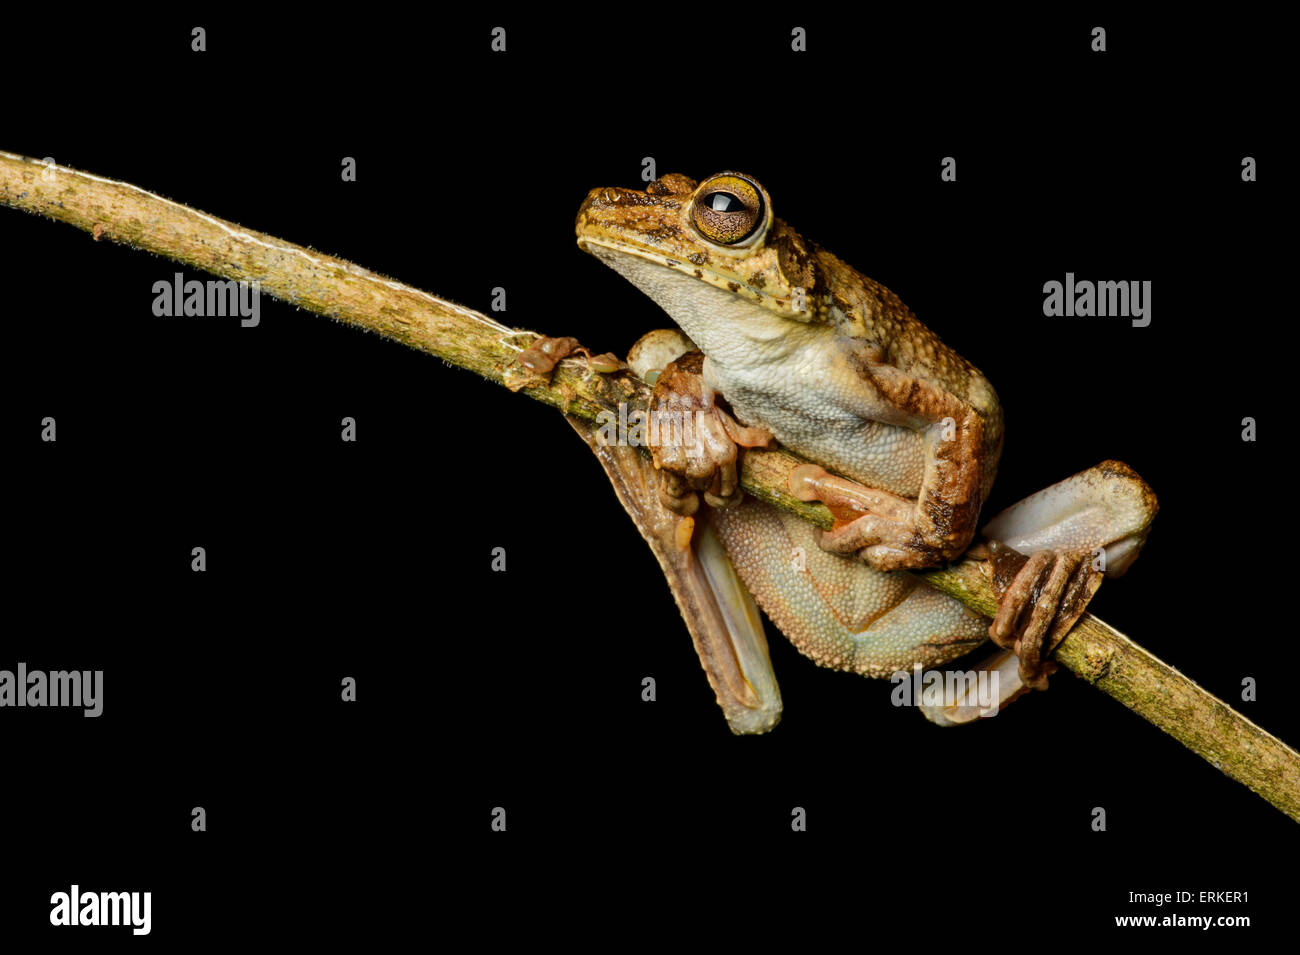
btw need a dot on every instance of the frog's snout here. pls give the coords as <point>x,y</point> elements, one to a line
<point>629,215</point>
<point>585,214</point>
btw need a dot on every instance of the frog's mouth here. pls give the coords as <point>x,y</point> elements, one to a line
<point>699,299</point>
<point>611,250</point>
<point>717,319</point>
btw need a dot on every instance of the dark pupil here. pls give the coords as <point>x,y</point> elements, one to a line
<point>723,202</point>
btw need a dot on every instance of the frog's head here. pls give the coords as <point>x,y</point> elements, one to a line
<point>711,251</point>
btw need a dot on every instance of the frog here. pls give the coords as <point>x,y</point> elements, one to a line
<point>780,342</point>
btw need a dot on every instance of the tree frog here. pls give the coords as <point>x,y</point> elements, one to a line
<point>779,339</point>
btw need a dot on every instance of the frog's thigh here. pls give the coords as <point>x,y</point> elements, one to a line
<point>837,610</point>
<point>1108,507</point>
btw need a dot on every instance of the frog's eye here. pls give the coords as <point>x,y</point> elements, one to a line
<point>727,209</point>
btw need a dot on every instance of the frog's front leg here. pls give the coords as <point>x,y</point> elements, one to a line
<point>694,439</point>
<point>961,444</point>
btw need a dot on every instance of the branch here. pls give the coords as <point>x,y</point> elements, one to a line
<point>348,293</point>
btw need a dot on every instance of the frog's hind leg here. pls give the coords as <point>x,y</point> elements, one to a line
<point>837,610</point>
<point>719,613</point>
<point>1071,533</point>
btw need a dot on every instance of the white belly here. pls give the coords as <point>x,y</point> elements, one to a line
<point>802,389</point>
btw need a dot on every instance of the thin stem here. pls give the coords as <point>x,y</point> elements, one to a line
<point>332,287</point>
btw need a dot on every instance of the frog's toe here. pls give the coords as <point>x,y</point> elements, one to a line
<point>676,495</point>
<point>724,485</point>
<point>879,541</point>
<point>877,526</point>
<point>884,557</point>
<point>1044,599</point>
<point>866,533</point>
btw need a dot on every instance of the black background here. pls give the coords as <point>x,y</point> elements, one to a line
<point>522,690</point>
